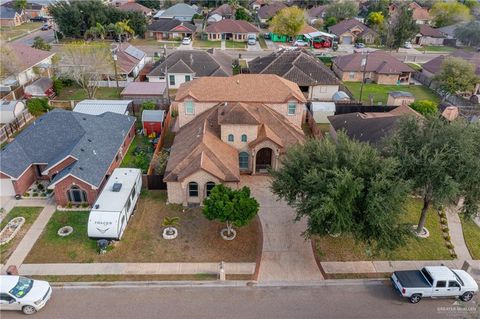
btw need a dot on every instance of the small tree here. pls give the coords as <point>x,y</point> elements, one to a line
<point>233,207</point>
<point>142,161</point>
<point>425,107</point>
<point>148,105</point>
<point>20,4</point>
<point>375,19</point>
<point>288,21</point>
<point>242,14</point>
<point>38,106</point>
<point>448,13</point>
<point>152,4</point>
<point>456,75</point>
<point>159,162</point>
<point>330,21</point>
<point>401,27</point>
<point>169,223</point>
<point>39,43</point>
<point>342,10</point>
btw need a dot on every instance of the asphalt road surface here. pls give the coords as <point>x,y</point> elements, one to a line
<point>376,300</point>
<point>28,39</point>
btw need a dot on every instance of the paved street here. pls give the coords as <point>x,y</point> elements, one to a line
<point>28,39</point>
<point>361,301</point>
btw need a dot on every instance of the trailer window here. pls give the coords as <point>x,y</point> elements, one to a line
<point>427,276</point>
<point>132,194</point>
<point>129,203</point>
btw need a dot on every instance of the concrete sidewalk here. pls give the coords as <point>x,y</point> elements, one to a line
<point>456,233</point>
<point>135,269</point>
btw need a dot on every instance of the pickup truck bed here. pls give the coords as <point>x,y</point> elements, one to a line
<point>412,279</point>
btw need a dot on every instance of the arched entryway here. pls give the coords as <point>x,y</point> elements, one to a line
<point>263,160</point>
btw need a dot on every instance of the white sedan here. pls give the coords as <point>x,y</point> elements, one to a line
<point>186,41</point>
<point>20,293</point>
<point>300,43</point>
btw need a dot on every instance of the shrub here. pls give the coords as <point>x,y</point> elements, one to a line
<point>449,245</point>
<point>159,162</point>
<point>49,191</point>
<point>425,107</point>
<point>38,106</point>
<point>174,113</point>
<point>69,205</point>
<point>40,187</point>
<point>443,221</point>
<point>142,161</point>
<point>43,194</point>
<point>148,105</point>
<point>84,205</point>
<point>57,86</point>
<point>442,214</point>
<point>447,237</point>
<point>26,195</point>
<point>445,229</point>
<point>34,194</point>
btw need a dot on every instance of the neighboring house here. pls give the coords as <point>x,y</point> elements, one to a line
<point>170,29</point>
<point>229,139</point>
<point>348,31</point>
<point>130,61</point>
<point>185,65</point>
<point>30,63</point>
<point>420,14</point>
<point>10,17</point>
<point>433,67</point>
<point>43,87</point>
<point>378,66</point>
<point>140,92</point>
<point>268,11</point>
<point>98,107</point>
<point>315,80</point>
<point>152,121</point>
<point>449,33</point>
<point>10,110</point>
<point>136,7</point>
<point>73,151</point>
<point>31,10</point>
<point>428,36</point>
<point>236,30</point>
<point>257,4</point>
<point>225,11</point>
<point>179,11</point>
<point>316,14</point>
<point>371,127</point>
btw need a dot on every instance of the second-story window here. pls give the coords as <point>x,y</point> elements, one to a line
<point>292,108</point>
<point>189,107</point>
<point>244,137</point>
<point>230,138</point>
<point>171,79</point>
<point>187,78</point>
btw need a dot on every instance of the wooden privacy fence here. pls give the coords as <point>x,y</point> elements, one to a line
<point>313,125</point>
<point>12,127</point>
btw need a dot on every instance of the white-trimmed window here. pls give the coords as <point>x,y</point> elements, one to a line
<point>243,160</point>
<point>244,137</point>
<point>189,107</point>
<point>292,108</point>
<point>192,189</point>
<point>230,138</point>
<point>351,75</point>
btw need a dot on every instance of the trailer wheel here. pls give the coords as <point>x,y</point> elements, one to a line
<point>415,298</point>
<point>467,296</point>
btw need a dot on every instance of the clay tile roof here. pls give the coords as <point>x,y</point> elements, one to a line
<point>232,26</point>
<point>28,56</point>
<point>136,7</point>
<point>428,31</point>
<point>265,133</point>
<point>269,10</point>
<point>378,61</point>
<point>237,113</point>
<point>253,88</point>
<point>419,13</point>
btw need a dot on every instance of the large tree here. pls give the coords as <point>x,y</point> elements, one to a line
<point>341,10</point>
<point>448,13</point>
<point>288,21</point>
<point>229,206</point>
<point>456,75</point>
<point>152,4</point>
<point>441,159</point>
<point>469,33</point>
<point>20,4</point>
<point>344,186</point>
<point>400,28</point>
<point>86,63</point>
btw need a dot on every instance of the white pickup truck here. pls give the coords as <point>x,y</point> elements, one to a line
<point>434,281</point>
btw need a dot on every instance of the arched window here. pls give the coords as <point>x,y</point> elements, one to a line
<point>244,137</point>
<point>208,188</point>
<point>243,160</point>
<point>230,137</point>
<point>76,195</point>
<point>192,189</point>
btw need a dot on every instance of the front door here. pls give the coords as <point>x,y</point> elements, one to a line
<point>7,302</point>
<point>263,160</point>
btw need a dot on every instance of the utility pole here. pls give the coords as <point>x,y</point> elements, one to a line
<point>114,56</point>
<point>364,64</point>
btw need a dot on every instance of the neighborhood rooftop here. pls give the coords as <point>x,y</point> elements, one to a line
<point>377,61</point>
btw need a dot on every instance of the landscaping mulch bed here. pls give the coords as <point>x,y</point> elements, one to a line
<point>198,240</point>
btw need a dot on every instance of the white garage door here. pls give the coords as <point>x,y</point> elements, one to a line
<point>6,187</point>
<point>347,40</point>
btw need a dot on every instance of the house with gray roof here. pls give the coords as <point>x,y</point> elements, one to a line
<point>170,29</point>
<point>179,11</point>
<point>348,31</point>
<point>185,65</point>
<point>75,152</point>
<point>315,80</point>
<point>10,17</point>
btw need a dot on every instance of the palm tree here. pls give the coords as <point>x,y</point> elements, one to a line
<point>101,30</point>
<point>169,223</point>
<point>114,30</point>
<point>126,29</point>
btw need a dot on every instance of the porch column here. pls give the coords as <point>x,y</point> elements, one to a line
<point>254,157</point>
<point>277,155</point>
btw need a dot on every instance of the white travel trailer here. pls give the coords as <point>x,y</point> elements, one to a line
<point>115,204</point>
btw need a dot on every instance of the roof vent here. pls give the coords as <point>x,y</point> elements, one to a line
<point>80,168</point>
<point>90,140</point>
<point>84,118</point>
<point>82,150</point>
<point>116,187</point>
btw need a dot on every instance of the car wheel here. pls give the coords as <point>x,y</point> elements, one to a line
<point>467,296</point>
<point>415,298</point>
<point>29,310</point>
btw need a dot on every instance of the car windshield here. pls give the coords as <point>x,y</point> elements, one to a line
<point>22,287</point>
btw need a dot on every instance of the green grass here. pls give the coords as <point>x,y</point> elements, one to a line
<point>415,66</point>
<point>229,44</point>
<point>206,43</point>
<point>139,143</point>
<point>345,248</point>
<point>380,92</point>
<point>30,214</point>
<point>76,93</point>
<point>153,42</point>
<point>13,32</point>
<point>471,233</point>
<point>436,48</point>
<point>262,43</point>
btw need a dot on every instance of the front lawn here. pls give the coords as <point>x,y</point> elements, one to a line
<point>344,248</point>
<point>229,44</point>
<point>153,42</point>
<point>263,44</point>
<point>198,240</point>
<point>471,233</point>
<point>30,214</point>
<point>436,48</point>
<point>380,92</point>
<point>8,33</point>
<point>77,94</point>
<point>206,43</point>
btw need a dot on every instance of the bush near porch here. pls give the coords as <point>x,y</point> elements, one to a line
<point>198,240</point>
<point>30,214</point>
<point>471,234</point>
<point>344,248</point>
<point>380,92</point>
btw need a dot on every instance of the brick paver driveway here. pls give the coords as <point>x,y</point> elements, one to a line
<point>286,255</point>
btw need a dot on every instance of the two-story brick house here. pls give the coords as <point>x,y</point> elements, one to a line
<point>228,127</point>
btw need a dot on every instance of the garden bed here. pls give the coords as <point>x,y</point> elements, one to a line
<point>139,153</point>
<point>344,248</point>
<point>471,234</point>
<point>198,240</point>
<point>30,214</point>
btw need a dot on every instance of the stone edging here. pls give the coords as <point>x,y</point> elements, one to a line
<point>12,235</point>
<point>73,209</point>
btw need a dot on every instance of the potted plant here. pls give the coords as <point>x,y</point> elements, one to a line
<point>170,232</point>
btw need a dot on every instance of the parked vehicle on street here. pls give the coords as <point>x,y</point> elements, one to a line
<point>300,43</point>
<point>359,45</point>
<point>186,41</point>
<point>434,281</point>
<point>408,45</point>
<point>252,39</point>
<point>46,27</point>
<point>21,293</point>
<point>115,204</point>
<point>39,19</point>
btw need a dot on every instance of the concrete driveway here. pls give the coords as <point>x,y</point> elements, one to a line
<point>255,47</point>
<point>286,255</point>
